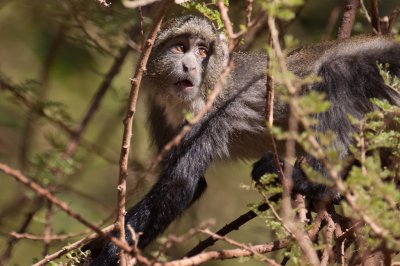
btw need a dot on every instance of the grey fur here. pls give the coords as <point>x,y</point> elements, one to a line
<point>235,127</point>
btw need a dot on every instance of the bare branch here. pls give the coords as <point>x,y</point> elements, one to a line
<point>72,246</point>
<point>128,122</point>
<point>349,15</point>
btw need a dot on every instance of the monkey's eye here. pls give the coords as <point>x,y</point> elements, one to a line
<point>179,48</point>
<point>202,51</point>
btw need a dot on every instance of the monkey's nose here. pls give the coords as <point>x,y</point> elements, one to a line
<point>188,68</point>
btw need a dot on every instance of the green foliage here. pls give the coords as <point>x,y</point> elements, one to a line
<point>389,79</point>
<point>46,165</point>
<point>56,110</point>
<point>269,185</point>
<point>210,13</point>
<point>282,9</point>
<point>188,116</point>
<point>375,180</point>
<point>76,257</point>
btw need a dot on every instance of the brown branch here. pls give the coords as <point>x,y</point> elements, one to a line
<point>234,225</point>
<point>269,114</point>
<point>349,15</point>
<point>128,122</point>
<point>301,237</point>
<point>228,254</point>
<point>375,16</point>
<point>249,11</point>
<point>43,238</point>
<point>364,11</point>
<point>48,228</point>
<point>62,205</point>
<point>240,245</point>
<point>72,246</point>
<point>328,240</point>
<point>172,239</point>
<point>75,134</point>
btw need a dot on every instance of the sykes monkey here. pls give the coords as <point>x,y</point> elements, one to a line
<point>186,62</point>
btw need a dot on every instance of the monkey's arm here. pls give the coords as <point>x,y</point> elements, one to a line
<point>180,182</point>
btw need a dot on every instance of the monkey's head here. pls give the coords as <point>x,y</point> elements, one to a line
<point>187,59</point>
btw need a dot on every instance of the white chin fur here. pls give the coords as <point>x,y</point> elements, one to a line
<point>174,109</point>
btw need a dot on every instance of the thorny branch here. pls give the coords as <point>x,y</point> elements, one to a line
<point>303,240</point>
<point>128,123</point>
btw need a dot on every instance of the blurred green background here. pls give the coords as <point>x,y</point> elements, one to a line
<point>58,52</point>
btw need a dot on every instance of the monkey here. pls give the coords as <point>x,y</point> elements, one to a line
<point>186,62</point>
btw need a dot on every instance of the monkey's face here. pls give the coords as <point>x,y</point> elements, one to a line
<point>180,66</point>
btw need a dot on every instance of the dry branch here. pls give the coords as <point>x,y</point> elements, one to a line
<point>128,122</point>
<point>349,15</point>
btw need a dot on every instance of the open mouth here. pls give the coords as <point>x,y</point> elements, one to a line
<point>184,83</point>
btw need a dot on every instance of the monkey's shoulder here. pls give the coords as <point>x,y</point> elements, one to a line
<point>248,72</point>
<point>310,58</point>
<point>254,62</point>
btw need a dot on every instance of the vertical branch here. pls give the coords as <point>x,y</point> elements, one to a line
<point>249,10</point>
<point>286,182</point>
<point>302,238</point>
<point>128,121</point>
<point>375,16</point>
<point>48,228</point>
<point>349,15</point>
<point>269,112</point>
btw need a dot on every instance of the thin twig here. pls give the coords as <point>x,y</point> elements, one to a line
<point>128,122</point>
<point>228,254</point>
<point>234,225</point>
<point>330,228</point>
<point>365,11</point>
<point>240,245</point>
<point>50,237</point>
<point>72,246</point>
<point>48,228</point>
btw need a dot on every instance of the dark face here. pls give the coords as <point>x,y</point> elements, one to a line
<point>181,64</point>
